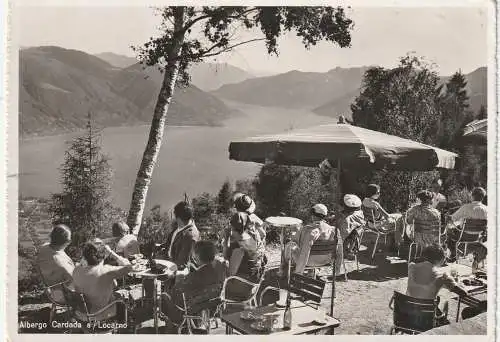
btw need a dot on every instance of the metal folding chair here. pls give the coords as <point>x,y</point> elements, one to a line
<point>471,232</point>
<point>80,312</point>
<point>50,290</point>
<point>412,315</point>
<point>431,226</point>
<point>200,310</point>
<point>252,299</point>
<point>373,226</point>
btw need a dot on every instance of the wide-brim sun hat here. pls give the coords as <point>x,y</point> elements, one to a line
<point>352,201</point>
<point>245,203</point>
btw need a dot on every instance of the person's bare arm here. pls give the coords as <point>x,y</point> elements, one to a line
<point>383,211</point>
<point>451,285</point>
<point>121,261</point>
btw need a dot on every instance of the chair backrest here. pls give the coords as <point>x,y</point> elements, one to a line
<point>54,292</point>
<point>413,314</point>
<point>474,226</point>
<point>208,298</point>
<point>76,300</point>
<point>307,288</point>
<point>427,225</point>
<point>323,247</point>
<point>369,214</point>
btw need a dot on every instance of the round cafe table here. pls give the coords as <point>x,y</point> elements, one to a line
<point>169,271</point>
<point>286,225</point>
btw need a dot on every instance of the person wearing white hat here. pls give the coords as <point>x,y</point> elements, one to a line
<point>350,223</point>
<point>299,248</point>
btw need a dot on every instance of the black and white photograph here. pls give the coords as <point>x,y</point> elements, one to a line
<point>269,170</point>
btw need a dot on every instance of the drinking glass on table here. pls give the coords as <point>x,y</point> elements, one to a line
<point>454,274</point>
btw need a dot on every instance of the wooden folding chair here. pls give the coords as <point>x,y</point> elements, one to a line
<point>412,315</point>
<point>306,289</point>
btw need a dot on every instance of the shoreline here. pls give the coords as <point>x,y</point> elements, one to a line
<point>61,134</point>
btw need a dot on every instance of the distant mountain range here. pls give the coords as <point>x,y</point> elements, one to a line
<point>329,94</point>
<point>58,87</point>
<point>116,60</point>
<point>206,76</point>
<point>295,89</point>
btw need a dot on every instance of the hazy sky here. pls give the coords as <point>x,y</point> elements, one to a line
<point>453,38</point>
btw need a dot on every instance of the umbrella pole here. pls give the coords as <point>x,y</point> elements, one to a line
<point>339,186</point>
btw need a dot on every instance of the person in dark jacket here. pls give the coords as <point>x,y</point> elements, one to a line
<point>211,272</point>
<point>182,238</point>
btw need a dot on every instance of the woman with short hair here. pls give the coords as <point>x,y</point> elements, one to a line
<point>426,220</point>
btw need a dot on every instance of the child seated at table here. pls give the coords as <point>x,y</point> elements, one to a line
<point>425,279</point>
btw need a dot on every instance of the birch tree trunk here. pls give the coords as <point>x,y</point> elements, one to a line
<point>156,131</point>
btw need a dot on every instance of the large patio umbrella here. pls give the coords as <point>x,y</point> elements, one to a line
<point>477,130</point>
<point>342,143</point>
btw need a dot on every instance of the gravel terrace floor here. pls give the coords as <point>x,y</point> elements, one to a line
<point>361,302</point>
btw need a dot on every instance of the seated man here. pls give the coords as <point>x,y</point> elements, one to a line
<point>54,264</point>
<point>97,280</point>
<point>210,272</point>
<point>299,248</point>
<point>474,210</point>
<point>425,219</point>
<point>127,244</point>
<point>425,279</point>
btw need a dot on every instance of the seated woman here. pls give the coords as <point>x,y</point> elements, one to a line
<point>126,243</point>
<point>425,279</point>
<point>426,220</point>
<point>246,255</point>
<point>299,248</point>
<point>351,222</point>
<point>385,221</point>
<point>97,280</point>
<point>244,203</point>
<point>209,273</point>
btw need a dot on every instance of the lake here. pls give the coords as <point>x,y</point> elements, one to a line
<point>192,159</point>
